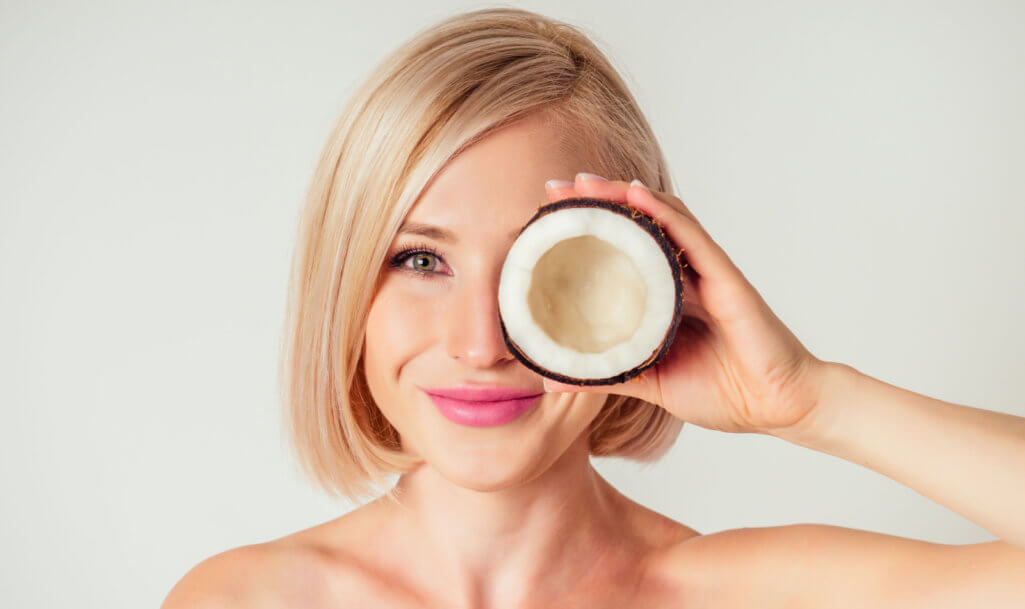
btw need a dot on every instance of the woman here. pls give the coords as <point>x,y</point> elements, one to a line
<point>432,169</point>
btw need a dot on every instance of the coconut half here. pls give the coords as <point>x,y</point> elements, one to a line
<point>591,292</point>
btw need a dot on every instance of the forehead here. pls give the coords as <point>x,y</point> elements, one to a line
<point>493,187</point>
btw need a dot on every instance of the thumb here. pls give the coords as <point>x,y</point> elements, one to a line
<point>642,387</point>
<point>551,386</point>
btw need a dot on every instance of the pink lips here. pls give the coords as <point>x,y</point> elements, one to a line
<point>482,406</point>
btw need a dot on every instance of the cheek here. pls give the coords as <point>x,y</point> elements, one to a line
<point>400,326</point>
<point>569,414</point>
<point>584,408</point>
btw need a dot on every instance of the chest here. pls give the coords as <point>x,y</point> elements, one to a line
<point>613,593</point>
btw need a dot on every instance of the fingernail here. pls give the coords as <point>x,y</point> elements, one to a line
<point>558,184</point>
<point>544,382</point>
<point>639,183</point>
<point>590,176</point>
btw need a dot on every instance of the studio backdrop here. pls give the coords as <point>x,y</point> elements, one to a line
<point>861,162</point>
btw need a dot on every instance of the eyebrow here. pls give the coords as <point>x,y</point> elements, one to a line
<point>436,232</point>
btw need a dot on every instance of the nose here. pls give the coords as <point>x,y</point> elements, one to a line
<point>474,333</point>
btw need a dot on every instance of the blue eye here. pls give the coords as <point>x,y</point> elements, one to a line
<point>419,253</point>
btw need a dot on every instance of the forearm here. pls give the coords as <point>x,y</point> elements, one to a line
<point>967,459</point>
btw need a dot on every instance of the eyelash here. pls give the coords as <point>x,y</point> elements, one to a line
<point>399,259</point>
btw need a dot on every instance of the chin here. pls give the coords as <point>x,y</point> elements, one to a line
<point>491,465</point>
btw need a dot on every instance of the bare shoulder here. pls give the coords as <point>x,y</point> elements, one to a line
<point>219,582</point>
<point>322,566</point>
<point>815,565</point>
<point>288,572</point>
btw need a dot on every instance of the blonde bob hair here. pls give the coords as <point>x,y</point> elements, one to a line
<point>445,89</point>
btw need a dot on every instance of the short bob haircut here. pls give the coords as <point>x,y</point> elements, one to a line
<point>445,89</point>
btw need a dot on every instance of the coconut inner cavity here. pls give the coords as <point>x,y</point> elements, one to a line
<point>587,295</point>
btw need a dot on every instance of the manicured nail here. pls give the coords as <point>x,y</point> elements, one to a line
<point>590,176</point>
<point>639,183</point>
<point>553,184</point>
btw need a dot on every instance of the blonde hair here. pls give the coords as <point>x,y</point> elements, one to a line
<point>445,89</point>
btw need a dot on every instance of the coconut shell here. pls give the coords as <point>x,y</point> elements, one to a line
<point>672,254</point>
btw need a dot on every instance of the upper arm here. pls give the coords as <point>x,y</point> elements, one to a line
<point>849,567</point>
<point>823,566</point>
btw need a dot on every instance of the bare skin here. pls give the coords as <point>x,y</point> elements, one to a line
<point>604,567</point>
<point>357,561</point>
<point>514,516</point>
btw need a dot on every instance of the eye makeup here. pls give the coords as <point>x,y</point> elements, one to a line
<point>398,260</point>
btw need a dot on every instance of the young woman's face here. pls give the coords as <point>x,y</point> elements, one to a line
<point>434,320</point>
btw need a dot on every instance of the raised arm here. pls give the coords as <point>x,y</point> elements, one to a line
<point>967,459</point>
<point>735,367</point>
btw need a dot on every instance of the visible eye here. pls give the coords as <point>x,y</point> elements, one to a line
<point>424,258</point>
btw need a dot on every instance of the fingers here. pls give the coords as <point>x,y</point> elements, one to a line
<point>587,185</point>
<point>702,253</point>
<point>560,189</point>
<point>643,387</point>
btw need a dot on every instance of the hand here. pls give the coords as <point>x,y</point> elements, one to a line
<point>733,366</point>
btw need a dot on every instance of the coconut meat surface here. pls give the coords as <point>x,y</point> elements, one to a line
<point>587,295</point>
<point>586,292</point>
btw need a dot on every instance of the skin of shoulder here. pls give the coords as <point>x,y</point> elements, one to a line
<point>832,567</point>
<point>254,576</point>
<point>294,571</point>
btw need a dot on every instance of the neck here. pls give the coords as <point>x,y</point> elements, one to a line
<point>507,545</point>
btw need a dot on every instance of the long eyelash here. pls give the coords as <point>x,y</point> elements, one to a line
<point>400,258</point>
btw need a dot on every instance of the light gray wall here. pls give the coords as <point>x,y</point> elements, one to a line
<point>861,162</point>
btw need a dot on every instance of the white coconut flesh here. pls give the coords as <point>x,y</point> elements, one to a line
<point>586,293</point>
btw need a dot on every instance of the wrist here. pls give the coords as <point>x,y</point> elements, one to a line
<point>818,426</point>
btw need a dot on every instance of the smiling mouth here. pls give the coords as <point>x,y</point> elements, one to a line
<point>483,413</point>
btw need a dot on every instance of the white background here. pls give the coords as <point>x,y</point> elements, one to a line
<point>861,162</point>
